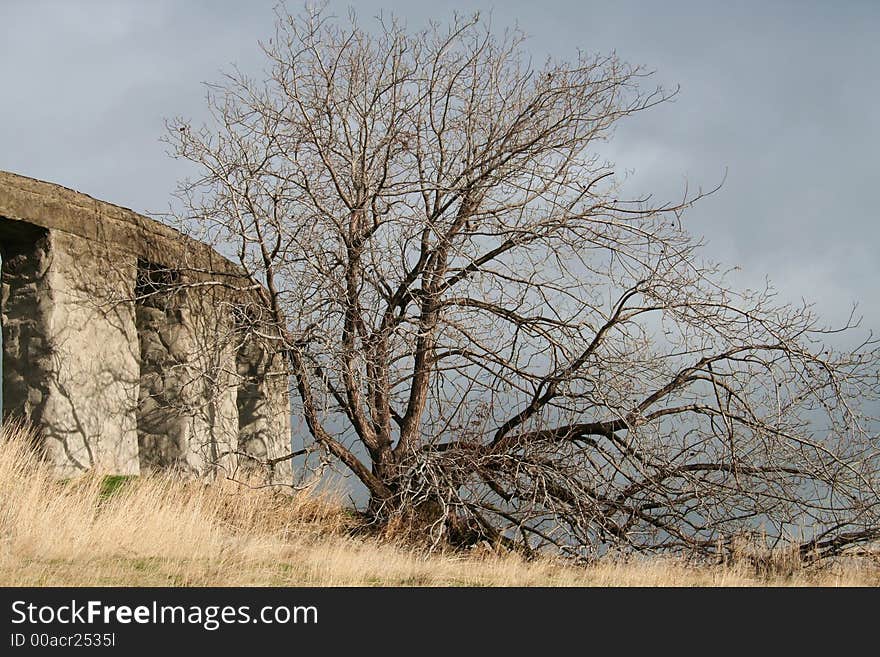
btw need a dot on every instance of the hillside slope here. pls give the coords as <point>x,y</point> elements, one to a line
<point>162,531</point>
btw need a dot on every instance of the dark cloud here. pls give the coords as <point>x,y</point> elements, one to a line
<point>781,96</point>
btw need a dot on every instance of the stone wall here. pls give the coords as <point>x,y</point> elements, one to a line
<point>26,307</point>
<point>188,417</point>
<point>262,387</point>
<point>121,343</point>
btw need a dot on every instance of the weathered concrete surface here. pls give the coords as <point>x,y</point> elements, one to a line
<point>119,352</point>
<point>263,388</point>
<point>89,419</point>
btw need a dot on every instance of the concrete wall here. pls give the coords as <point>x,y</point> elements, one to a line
<point>117,350</point>
<point>89,419</point>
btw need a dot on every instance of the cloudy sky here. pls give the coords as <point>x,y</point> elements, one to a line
<point>782,96</point>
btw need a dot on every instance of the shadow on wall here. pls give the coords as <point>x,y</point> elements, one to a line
<point>125,366</point>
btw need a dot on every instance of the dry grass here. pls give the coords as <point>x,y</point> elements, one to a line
<point>158,531</point>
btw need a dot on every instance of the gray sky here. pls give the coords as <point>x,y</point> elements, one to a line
<point>781,95</point>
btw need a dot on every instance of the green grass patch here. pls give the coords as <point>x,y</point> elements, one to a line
<point>112,483</point>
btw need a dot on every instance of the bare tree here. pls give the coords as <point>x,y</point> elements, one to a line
<point>494,342</point>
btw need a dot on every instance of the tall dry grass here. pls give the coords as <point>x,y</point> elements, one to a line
<point>156,531</point>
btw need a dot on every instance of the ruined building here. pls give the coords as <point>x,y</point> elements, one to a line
<point>130,347</point>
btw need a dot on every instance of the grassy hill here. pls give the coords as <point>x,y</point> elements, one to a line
<point>158,531</point>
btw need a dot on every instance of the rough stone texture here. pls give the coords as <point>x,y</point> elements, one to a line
<point>119,353</point>
<point>262,388</point>
<point>26,305</point>
<point>188,417</point>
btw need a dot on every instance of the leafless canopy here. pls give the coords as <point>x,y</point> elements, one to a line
<point>488,337</point>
